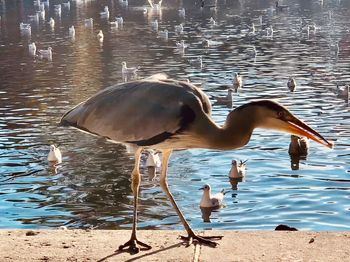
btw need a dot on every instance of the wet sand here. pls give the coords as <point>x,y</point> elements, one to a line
<point>102,245</point>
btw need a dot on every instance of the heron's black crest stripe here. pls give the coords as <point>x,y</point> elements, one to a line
<point>153,140</point>
<point>263,103</point>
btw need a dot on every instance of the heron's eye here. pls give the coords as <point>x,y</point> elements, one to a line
<point>280,114</point>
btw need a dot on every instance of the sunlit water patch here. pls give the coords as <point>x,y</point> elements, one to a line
<point>91,187</point>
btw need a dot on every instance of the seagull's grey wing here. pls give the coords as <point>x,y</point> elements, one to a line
<point>141,112</point>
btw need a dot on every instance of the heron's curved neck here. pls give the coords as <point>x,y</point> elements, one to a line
<point>235,133</point>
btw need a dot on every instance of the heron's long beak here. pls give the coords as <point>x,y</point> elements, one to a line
<point>298,127</point>
<point>202,188</point>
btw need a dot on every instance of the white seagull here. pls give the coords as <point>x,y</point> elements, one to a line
<point>55,155</point>
<point>105,13</point>
<point>237,81</point>
<point>32,49</point>
<point>100,36</point>
<point>89,22</point>
<point>129,70</point>
<point>71,31</point>
<point>47,54</point>
<point>237,170</point>
<point>209,200</point>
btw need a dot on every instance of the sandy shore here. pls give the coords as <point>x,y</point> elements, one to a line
<point>101,245</point>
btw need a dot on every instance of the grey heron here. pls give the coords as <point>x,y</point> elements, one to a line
<point>166,115</point>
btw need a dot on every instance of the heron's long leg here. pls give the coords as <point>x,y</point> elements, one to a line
<point>135,186</point>
<point>164,185</point>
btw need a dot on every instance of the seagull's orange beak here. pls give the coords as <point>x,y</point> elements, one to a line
<point>297,127</point>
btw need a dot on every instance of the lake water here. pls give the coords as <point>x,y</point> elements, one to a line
<point>91,188</point>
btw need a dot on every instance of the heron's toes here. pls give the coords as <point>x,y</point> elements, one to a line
<point>201,239</point>
<point>133,246</point>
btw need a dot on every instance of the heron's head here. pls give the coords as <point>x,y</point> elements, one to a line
<point>52,148</point>
<point>271,115</point>
<point>124,64</point>
<point>234,162</point>
<point>206,187</point>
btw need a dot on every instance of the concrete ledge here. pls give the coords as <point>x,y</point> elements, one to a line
<point>101,245</point>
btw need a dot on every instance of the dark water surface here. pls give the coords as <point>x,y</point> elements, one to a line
<point>92,185</point>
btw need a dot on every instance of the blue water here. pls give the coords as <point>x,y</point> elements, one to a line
<point>91,188</point>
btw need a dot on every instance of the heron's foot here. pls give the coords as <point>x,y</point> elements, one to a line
<point>201,239</point>
<point>133,245</point>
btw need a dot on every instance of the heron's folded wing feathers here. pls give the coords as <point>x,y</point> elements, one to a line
<point>133,111</point>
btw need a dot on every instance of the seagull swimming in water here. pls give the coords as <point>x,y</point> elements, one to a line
<point>105,13</point>
<point>237,170</point>
<point>100,36</point>
<point>154,25</point>
<point>47,54</point>
<point>54,155</point>
<point>52,22</point>
<point>71,31</point>
<point>181,45</point>
<point>343,92</point>
<point>153,163</point>
<point>212,21</point>
<point>209,200</point>
<point>225,100</point>
<point>89,22</point>
<point>25,29</point>
<point>163,34</point>
<point>291,84</point>
<point>182,12</point>
<point>237,81</point>
<point>129,70</point>
<point>179,29</point>
<point>32,49</point>
<point>299,146</point>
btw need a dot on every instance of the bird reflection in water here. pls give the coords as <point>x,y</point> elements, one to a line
<point>298,150</point>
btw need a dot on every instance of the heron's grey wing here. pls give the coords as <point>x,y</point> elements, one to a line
<point>140,112</point>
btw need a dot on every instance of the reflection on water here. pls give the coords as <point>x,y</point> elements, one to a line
<point>91,187</point>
